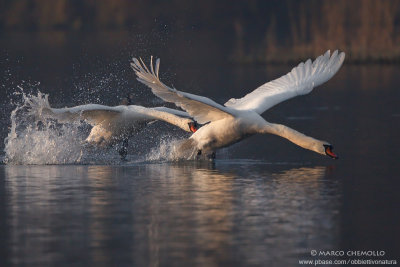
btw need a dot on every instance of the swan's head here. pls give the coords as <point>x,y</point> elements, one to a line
<point>328,151</point>
<point>193,126</point>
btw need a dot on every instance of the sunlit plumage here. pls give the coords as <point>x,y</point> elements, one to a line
<point>113,124</point>
<point>239,118</point>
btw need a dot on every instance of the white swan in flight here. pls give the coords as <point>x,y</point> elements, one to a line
<point>114,124</point>
<point>239,118</point>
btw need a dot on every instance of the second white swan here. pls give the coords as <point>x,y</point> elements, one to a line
<point>111,125</point>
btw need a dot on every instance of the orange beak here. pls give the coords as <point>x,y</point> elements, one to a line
<point>329,152</point>
<point>193,127</point>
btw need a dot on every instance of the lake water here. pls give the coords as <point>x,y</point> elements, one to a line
<point>263,202</point>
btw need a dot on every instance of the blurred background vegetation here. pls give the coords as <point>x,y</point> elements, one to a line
<point>254,30</point>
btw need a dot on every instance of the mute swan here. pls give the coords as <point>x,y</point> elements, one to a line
<point>239,118</point>
<point>112,123</point>
<point>115,124</point>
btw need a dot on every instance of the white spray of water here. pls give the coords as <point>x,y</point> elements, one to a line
<point>36,138</point>
<point>172,149</point>
<point>168,149</point>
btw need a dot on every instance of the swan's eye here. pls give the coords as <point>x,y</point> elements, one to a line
<point>329,152</point>
<point>193,126</point>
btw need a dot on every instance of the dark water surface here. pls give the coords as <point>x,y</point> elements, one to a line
<point>235,212</point>
<point>263,202</point>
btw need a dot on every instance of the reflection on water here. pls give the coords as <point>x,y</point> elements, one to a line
<point>184,213</point>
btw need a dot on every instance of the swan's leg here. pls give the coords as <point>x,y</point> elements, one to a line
<point>123,151</point>
<point>198,155</point>
<point>211,156</point>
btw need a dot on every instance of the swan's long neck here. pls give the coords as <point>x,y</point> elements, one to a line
<point>295,137</point>
<point>170,118</point>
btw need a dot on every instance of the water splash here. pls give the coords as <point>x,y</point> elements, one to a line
<point>170,149</point>
<point>173,149</point>
<point>36,139</point>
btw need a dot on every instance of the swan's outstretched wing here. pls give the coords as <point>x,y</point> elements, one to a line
<point>300,81</point>
<point>202,109</point>
<point>94,114</point>
<point>120,116</point>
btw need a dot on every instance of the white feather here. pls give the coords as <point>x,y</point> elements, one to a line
<point>202,109</point>
<point>110,124</point>
<point>241,117</point>
<point>301,80</point>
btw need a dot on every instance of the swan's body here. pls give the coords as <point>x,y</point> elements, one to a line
<point>240,118</point>
<point>113,124</point>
